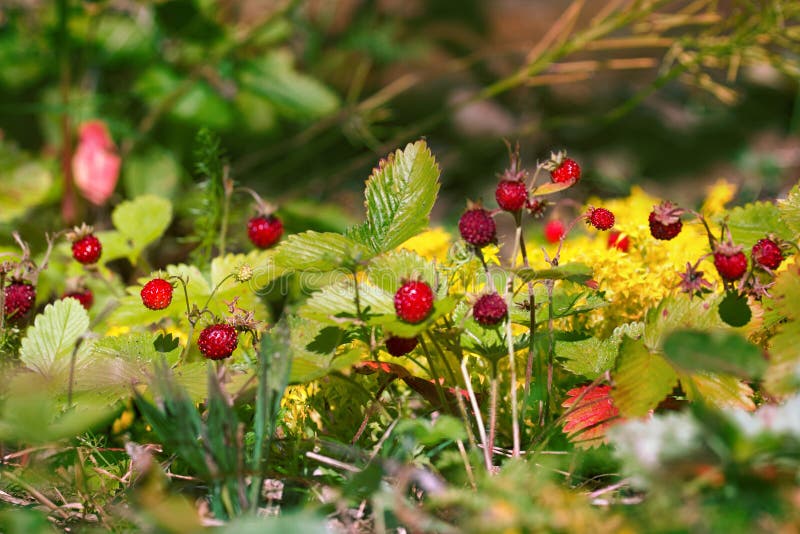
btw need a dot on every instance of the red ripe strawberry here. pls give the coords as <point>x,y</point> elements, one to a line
<point>511,195</point>
<point>264,230</point>
<point>554,231</point>
<point>84,296</point>
<point>730,261</point>
<point>87,249</point>
<point>156,294</point>
<point>614,241</point>
<point>566,171</point>
<point>665,221</point>
<point>600,218</point>
<point>19,299</point>
<point>413,302</point>
<point>398,346</point>
<point>490,309</point>
<point>767,253</point>
<point>218,341</point>
<point>477,227</point>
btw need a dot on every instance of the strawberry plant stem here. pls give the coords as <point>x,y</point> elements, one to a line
<point>494,386</point>
<point>477,411</point>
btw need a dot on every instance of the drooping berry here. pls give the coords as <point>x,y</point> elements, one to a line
<point>622,244</point>
<point>490,309</point>
<point>767,253</point>
<point>536,207</point>
<point>477,227</point>
<point>567,171</point>
<point>730,261</point>
<point>665,221</point>
<point>554,231</point>
<point>413,302</point>
<point>19,299</point>
<point>511,195</point>
<point>218,341</point>
<point>398,346</point>
<point>87,249</point>
<point>600,218</point>
<point>84,296</point>
<point>156,294</point>
<point>264,230</point>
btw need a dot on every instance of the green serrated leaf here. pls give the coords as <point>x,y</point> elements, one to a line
<point>166,343</point>
<point>47,348</point>
<point>641,379</point>
<point>721,391</point>
<point>752,222</point>
<point>680,312</point>
<point>716,351</point>
<point>315,251</point>
<point>142,221</point>
<point>399,197</point>
<point>574,272</point>
<point>335,304</point>
<point>308,364</point>
<point>783,374</point>
<point>789,209</point>
<point>388,271</point>
<point>588,357</point>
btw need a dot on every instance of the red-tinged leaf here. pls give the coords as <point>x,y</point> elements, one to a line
<point>594,413</point>
<point>592,284</point>
<point>427,388</point>
<point>371,367</point>
<point>553,187</point>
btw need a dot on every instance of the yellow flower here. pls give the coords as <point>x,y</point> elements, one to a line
<point>115,331</point>
<point>719,194</point>
<point>178,334</point>
<point>432,244</point>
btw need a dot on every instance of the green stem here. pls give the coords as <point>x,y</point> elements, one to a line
<point>434,375</point>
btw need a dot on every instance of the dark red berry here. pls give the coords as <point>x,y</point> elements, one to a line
<point>264,230</point>
<point>511,195</point>
<point>19,300</point>
<point>87,249</point>
<point>477,227</point>
<point>85,297</point>
<point>156,294</point>
<point>554,231</point>
<point>490,309</point>
<point>413,302</point>
<point>614,241</point>
<point>767,253</point>
<point>600,218</point>
<point>567,171</point>
<point>218,341</point>
<point>730,261</point>
<point>665,221</point>
<point>398,346</point>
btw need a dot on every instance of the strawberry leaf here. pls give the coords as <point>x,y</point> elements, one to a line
<point>49,344</point>
<point>589,417</point>
<point>716,352</point>
<point>641,379</point>
<point>399,196</point>
<point>790,209</point>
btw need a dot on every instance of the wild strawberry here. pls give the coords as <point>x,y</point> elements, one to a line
<point>536,207</point>
<point>511,195</point>
<point>413,302</point>
<point>600,218</point>
<point>490,309</point>
<point>218,341</point>
<point>156,294</point>
<point>264,230</point>
<point>84,296</point>
<point>477,227</point>
<point>398,346</point>
<point>730,261</point>
<point>554,231</point>
<point>614,241</point>
<point>86,248</point>
<point>567,170</point>
<point>665,221</point>
<point>19,299</point>
<point>767,253</point>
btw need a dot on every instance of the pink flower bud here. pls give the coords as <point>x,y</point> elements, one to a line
<point>95,164</point>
